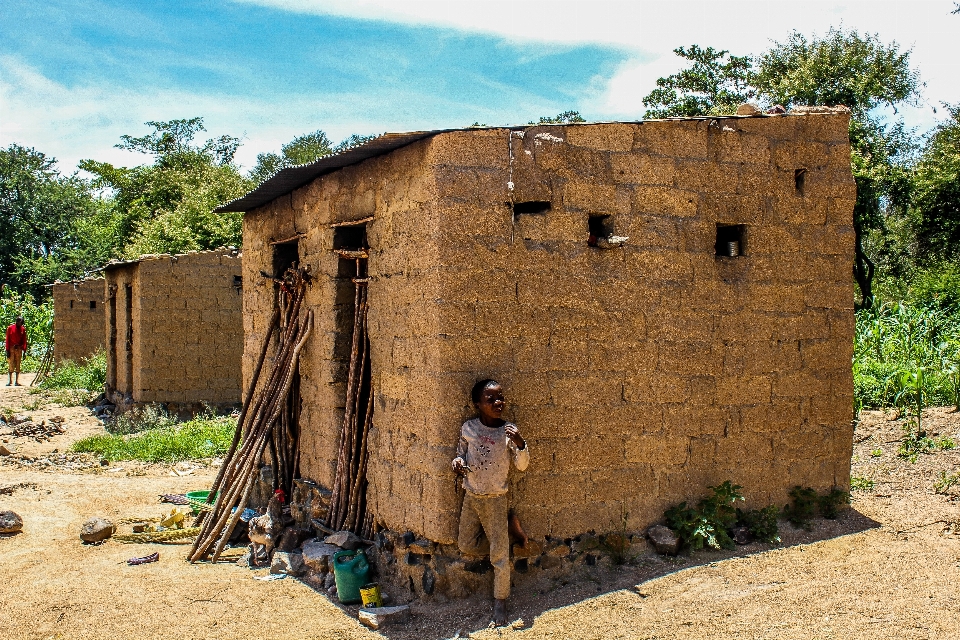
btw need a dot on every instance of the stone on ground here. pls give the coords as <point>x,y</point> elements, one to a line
<point>379,617</point>
<point>289,563</point>
<point>318,556</point>
<point>10,522</point>
<point>664,540</point>
<point>345,540</point>
<point>4,451</point>
<point>96,530</point>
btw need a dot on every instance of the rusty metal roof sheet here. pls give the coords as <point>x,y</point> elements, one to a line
<point>286,180</point>
<point>291,178</point>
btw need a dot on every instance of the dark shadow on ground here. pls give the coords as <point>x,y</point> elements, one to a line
<point>439,618</point>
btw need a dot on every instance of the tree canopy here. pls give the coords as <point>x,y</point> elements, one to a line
<point>301,150</point>
<point>842,67</point>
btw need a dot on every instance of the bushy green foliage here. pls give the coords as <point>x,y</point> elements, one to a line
<point>802,508</point>
<point>202,437</point>
<point>905,353</point>
<point>37,318</point>
<point>762,523</point>
<point>831,502</point>
<point>858,483</point>
<point>708,524</point>
<point>946,481</point>
<point>88,374</point>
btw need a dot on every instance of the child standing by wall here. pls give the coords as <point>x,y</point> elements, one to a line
<point>487,445</point>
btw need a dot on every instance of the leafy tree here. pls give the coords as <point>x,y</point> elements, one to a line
<point>843,67</point>
<point>862,73</point>
<point>45,214</point>
<point>936,196</point>
<point>168,206</point>
<point>301,150</point>
<point>714,84</point>
<point>566,117</point>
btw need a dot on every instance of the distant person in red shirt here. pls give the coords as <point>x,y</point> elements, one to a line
<point>16,345</point>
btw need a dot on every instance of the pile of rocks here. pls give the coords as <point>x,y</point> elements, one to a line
<point>25,427</point>
<point>54,461</point>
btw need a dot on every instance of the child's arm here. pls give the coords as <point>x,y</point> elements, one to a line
<point>521,452</point>
<point>459,463</point>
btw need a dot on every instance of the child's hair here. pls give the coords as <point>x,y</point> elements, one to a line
<point>477,392</point>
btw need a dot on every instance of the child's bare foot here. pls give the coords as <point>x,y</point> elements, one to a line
<point>500,612</point>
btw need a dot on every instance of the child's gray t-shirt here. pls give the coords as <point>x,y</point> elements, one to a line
<point>487,451</point>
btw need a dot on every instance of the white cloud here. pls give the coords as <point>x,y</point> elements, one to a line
<point>86,121</point>
<point>649,31</point>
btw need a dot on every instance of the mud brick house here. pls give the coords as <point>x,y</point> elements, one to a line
<point>78,318</point>
<point>667,303</point>
<point>174,330</point>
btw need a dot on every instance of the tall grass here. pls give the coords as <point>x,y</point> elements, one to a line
<point>205,436</point>
<point>905,351</point>
<point>74,383</point>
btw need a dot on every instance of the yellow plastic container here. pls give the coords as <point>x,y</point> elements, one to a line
<point>370,595</point>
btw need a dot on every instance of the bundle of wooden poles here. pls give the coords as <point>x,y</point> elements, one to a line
<point>348,500</point>
<point>261,422</point>
<point>46,365</point>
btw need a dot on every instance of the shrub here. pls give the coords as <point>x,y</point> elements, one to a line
<point>708,524</point>
<point>762,523</point>
<point>831,502</point>
<point>802,508</point>
<point>72,383</point>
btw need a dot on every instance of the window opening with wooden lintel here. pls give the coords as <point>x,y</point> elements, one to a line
<point>731,240</point>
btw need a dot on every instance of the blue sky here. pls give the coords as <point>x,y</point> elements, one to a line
<point>76,74</point>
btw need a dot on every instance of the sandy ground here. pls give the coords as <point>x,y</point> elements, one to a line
<point>888,568</point>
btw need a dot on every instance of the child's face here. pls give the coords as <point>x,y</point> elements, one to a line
<point>491,403</point>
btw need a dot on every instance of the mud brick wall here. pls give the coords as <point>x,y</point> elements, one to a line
<point>78,318</point>
<point>395,189</point>
<point>186,327</point>
<point>639,375</point>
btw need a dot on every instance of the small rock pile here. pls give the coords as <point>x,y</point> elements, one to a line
<point>54,461</point>
<point>24,427</point>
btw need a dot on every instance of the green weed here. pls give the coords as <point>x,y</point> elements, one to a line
<point>762,523</point>
<point>202,437</point>
<point>802,508</point>
<point>708,524</point>
<point>858,483</point>
<point>945,481</point>
<point>831,502</point>
<point>876,453</point>
<point>144,418</point>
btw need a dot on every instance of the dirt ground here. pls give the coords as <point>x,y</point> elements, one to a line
<point>886,568</point>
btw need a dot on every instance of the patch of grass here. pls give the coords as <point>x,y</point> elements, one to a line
<point>946,481</point>
<point>858,483</point>
<point>144,418</point>
<point>876,453</point>
<point>203,437</point>
<point>913,445</point>
<point>75,383</point>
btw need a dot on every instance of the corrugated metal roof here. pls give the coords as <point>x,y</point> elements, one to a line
<point>291,178</point>
<point>286,180</point>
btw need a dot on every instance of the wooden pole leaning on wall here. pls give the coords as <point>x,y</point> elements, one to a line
<point>348,500</point>
<point>262,412</point>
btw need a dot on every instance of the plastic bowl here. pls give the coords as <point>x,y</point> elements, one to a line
<point>199,496</point>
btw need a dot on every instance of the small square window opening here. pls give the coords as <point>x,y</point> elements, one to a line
<point>730,240</point>
<point>93,304</point>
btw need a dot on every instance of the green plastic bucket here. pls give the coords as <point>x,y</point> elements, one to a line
<point>199,496</point>
<point>350,569</point>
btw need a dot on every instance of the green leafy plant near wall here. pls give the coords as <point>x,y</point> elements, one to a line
<point>707,524</point>
<point>806,502</point>
<point>762,523</point>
